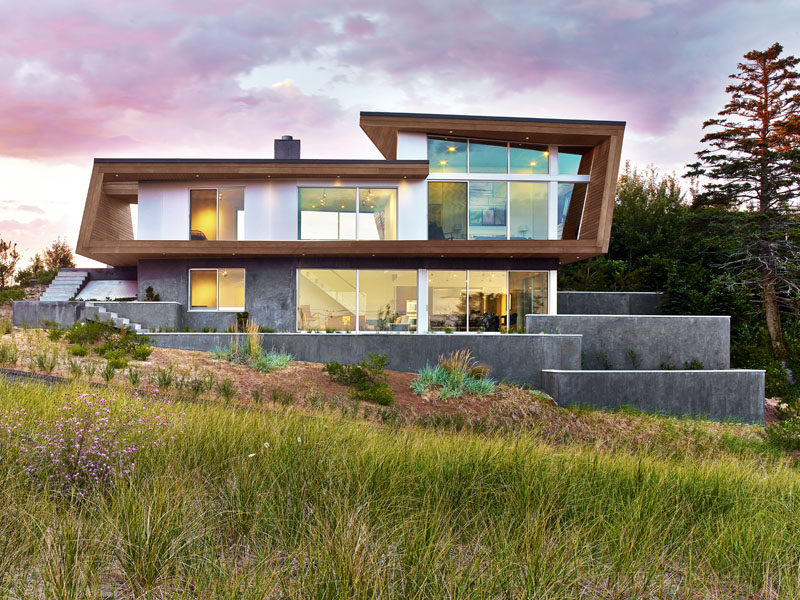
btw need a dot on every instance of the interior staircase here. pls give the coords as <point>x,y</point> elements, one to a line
<point>65,285</point>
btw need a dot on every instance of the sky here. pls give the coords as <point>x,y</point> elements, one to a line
<point>222,78</point>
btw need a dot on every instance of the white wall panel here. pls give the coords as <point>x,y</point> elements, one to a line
<point>412,146</point>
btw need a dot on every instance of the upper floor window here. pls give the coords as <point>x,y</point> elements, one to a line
<point>574,161</point>
<point>340,213</point>
<point>216,214</point>
<point>448,155</point>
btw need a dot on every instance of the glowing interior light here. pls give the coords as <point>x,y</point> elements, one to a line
<point>442,162</point>
<point>533,163</point>
<point>545,153</point>
<point>452,149</point>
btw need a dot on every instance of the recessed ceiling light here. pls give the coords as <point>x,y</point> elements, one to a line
<point>545,153</point>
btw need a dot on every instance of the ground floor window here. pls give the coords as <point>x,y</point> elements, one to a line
<point>387,300</point>
<point>484,300</point>
<point>216,289</point>
<point>330,299</point>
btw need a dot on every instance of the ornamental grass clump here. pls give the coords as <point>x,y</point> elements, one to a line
<point>90,443</point>
<point>456,374</point>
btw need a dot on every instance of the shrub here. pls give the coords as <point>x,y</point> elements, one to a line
<point>784,434</point>
<point>141,352</point>
<point>282,397</point>
<point>694,365</point>
<point>116,358</point>
<point>78,350</point>
<point>8,353</point>
<point>226,389</point>
<point>90,442</point>
<point>163,377</point>
<point>74,368</point>
<point>6,326</point>
<point>8,295</point>
<point>455,375</point>
<point>108,371</point>
<point>271,361</point>
<point>45,359</point>
<point>368,378</point>
<point>150,295</point>
<point>90,368</point>
<point>55,334</point>
<point>90,331</point>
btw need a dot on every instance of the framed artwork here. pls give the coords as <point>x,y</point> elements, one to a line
<point>500,216</point>
<point>488,217</point>
<point>476,217</point>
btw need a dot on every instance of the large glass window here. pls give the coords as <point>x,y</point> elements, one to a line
<point>340,213</point>
<point>447,300</point>
<point>528,210</point>
<point>571,197</point>
<point>203,214</point>
<point>377,214</point>
<point>327,213</point>
<point>574,161</point>
<point>447,155</point>
<point>487,300</point>
<point>326,299</point>
<point>216,214</point>
<point>216,289</point>
<point>488,157</point>
<point>231,213</point>
<point>487,210</point>
<point>527,296</point>
<point>529,159</point>
<point>447,210</point>
<point>387,300</point>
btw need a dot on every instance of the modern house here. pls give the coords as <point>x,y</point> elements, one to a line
<point>461,228</point>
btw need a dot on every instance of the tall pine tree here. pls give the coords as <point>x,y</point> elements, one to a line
<point>752,161</point>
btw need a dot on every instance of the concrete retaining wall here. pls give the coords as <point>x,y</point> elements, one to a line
<point>30,314</point>
<point>719,395</point>
<point>150,315</point>
<point>517,358</point>
<point>147,314</point>
<point>656,340</point>
<point>609,303</point>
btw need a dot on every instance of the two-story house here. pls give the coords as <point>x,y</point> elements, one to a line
<point>461,228</point>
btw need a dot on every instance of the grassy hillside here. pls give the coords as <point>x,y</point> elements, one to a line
<point>281,504</point>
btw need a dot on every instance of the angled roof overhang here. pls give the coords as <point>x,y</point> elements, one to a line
<point>382,128</point>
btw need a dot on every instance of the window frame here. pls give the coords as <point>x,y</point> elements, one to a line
<point>358,189</point>
<point>218,307</point>
<point>216,200</point>
<point>357,290</point>
<point>507,314</point>
<point>553,178</point>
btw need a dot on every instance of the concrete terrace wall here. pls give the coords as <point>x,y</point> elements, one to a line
<point>719,395</point>
<point>147,314</point>
<point>150,315</point>
<point>656,340</point>
<point>609,303</point>
<point>30,314</point>
<point>517,358</point>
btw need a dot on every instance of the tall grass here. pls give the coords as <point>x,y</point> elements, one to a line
<point>251,504</point>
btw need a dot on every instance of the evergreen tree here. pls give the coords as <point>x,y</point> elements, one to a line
<point>752,161</point>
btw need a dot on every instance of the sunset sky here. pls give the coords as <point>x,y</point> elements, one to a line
<point>216,78</point>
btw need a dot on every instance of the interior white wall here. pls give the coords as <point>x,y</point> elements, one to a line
<point>164,211</point>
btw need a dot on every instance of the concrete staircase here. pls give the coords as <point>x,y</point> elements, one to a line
<point>64,286</point>
<point>106,315</point>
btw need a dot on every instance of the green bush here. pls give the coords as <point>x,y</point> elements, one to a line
<point>368,378</point>
<point>226,389</point>
<point>6,326</point>
<point>271,361</point>
<point>55,334</point>
<point>141,352</point>
<point>784,434</point>
<point>8,353</point>
<point>451,384</point>
<point>8,295</point>
<point>78,350</point>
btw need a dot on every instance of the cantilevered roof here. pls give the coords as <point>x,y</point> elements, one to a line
<point>382,129</point>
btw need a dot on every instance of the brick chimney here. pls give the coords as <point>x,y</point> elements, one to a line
<point>287,148</point>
